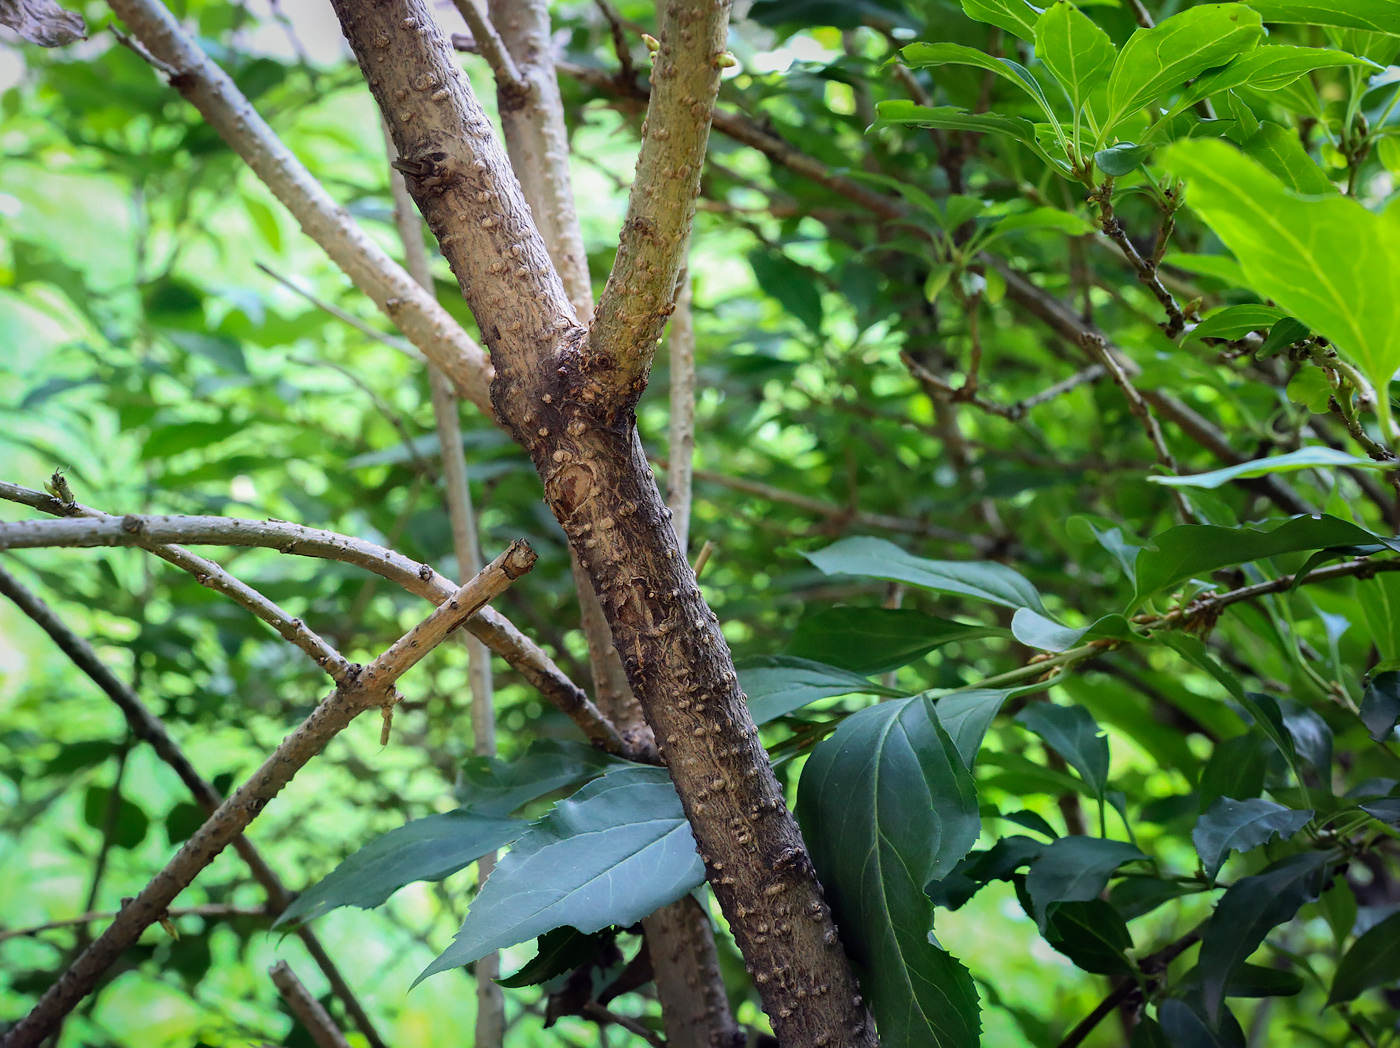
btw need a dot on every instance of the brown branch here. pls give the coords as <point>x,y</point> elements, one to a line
<point>306,1008</point>
<point>417,313</point>
<point>538,143</point>
<point>557,387</point>
<point>681,444</point>
<point>625,70</point>
<point>146,726</point>
<point>1152,967</point>
<point>372,687</point>
<point>156,534</point>
<point>487,43</point>
<point>1145,269</point>
<point>641,288</point>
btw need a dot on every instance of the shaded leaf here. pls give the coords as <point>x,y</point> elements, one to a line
<point>887,805</point>
<point>1072,732</point>
<point>778,684</point>
<point>1074,869</point>
<point>1121,159</point>
<point>1380,704</point>
<point>612,853</point>
<point>881,559</point>
<point>1230,825</point>
<point>1235,322</point>
<point>876,640</point>
<point>559,951</point>
<point>1092,935</point>
<point>426,849</point>
<point>1247,912</point>
<point>1235,769</point>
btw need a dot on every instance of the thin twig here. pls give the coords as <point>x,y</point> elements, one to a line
<point>372,687</point>
<point>1152,967</point>
<point>146,726</point>
<point>306,1008</point>
<point>625,71</point>
<point>156,533</point>
<point>603,1015</point>
<point>363,327</point>
<point>1145,269</point>
<point>489,46</point>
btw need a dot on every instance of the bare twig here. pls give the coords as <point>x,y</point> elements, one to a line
<point>1145,269</point>
<point>427,325</point>
<point>603,1016</point>
<point>625,71</point>
<point>392,341</point>
<point>306,1008</point>
<point>146,726</point>
<point>156,534</point>
<point>372,687</point>
<point>488,44</point>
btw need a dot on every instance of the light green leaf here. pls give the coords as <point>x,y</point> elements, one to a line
<point>1378,16</point>
<point>1311,388</point>
<point>1074,49</point>
<point>1042,218</point>
<point>1305,458</point>
<point>1278,149</point>
<point>1157,60</point>
<point>1015,16</point>
<point>778,684</point>
<point>1234,322</point>
<point>923,55</point>
<point>1380,604</point>
<point>617,850</point>
<point>1266,68</point>
<point>887,805</point>
<point>1327,261</point>
<point>881,559</point>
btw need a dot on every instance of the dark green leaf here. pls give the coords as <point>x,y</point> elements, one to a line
<point>1092,935</point>
<point>1185,1026</point>
<point>492,787</point>
<point>1231,825</point>
<point>1373,960</point>
<point>793,285</point>
<point>1074,869</point>
<point>1235,769</point>
<point>129,822</point>
<point>559,951</point>
<point>1380,705</point>
<point>877,640</point>
<point>778,684</point>
<point>1193,550</point>
<point>887,805</point>
<point>1121,159</point>
<point>1247,912</point>
<point>426,849</point>
<point>881,559</point>
<point>1133,896</point>
<point>1072,732</point>
<point>966,716</point>
<point>1387,809</point>
<point>1282,335</point>
<point>612,853</point>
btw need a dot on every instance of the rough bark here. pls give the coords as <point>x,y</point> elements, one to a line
<point>569,401</point>
<point>694,1007</point>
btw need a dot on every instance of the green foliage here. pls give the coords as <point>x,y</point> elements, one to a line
<point>903,567</point>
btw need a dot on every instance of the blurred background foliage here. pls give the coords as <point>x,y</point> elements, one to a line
<point>160,338</point>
